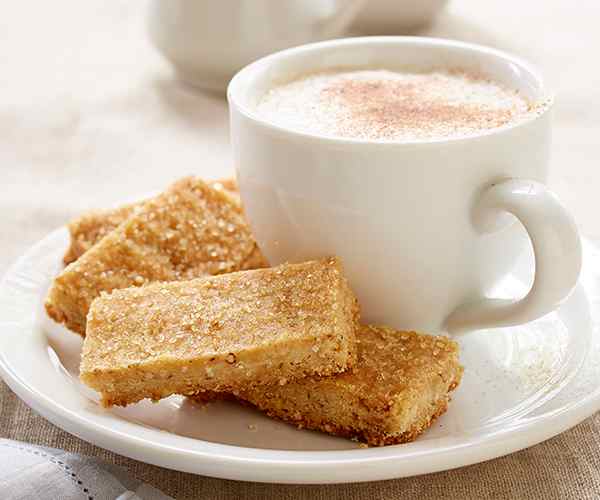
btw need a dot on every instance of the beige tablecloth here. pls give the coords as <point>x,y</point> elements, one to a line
<point>89,114</point>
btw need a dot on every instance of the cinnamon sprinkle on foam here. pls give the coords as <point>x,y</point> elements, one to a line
<point>390,105</point>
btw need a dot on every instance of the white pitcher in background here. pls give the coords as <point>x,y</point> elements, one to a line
<point>208,41</point>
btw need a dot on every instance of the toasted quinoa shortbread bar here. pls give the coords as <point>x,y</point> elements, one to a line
<point>190,230</point>
<point>398,386</point>
<point>91,227</point>
<point>224,333</point>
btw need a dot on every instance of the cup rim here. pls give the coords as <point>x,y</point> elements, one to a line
<point>238,81</point>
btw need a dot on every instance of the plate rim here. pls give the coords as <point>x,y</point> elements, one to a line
<point>290,466</point>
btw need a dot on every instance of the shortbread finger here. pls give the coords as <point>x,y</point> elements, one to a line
<point>224,333</point>
<point>190,230</point>
<point>398,386</point>
<point>88,229</point>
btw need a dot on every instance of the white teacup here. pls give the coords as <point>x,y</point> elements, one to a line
<point>422,227</point>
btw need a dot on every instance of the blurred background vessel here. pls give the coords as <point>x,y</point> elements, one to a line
<point>208,41</point>
<point>396,17</point>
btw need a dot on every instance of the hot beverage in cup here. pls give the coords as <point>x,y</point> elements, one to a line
<point>392,105</point>
<point>420,162</point>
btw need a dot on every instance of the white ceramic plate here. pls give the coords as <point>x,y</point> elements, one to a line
<point>521,386</point>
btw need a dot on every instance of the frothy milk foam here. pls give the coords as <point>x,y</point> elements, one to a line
<point>380,104</point>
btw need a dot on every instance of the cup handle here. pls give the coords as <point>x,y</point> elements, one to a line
<point>556,246</point>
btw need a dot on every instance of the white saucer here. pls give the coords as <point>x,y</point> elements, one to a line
<point>521,386</point>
